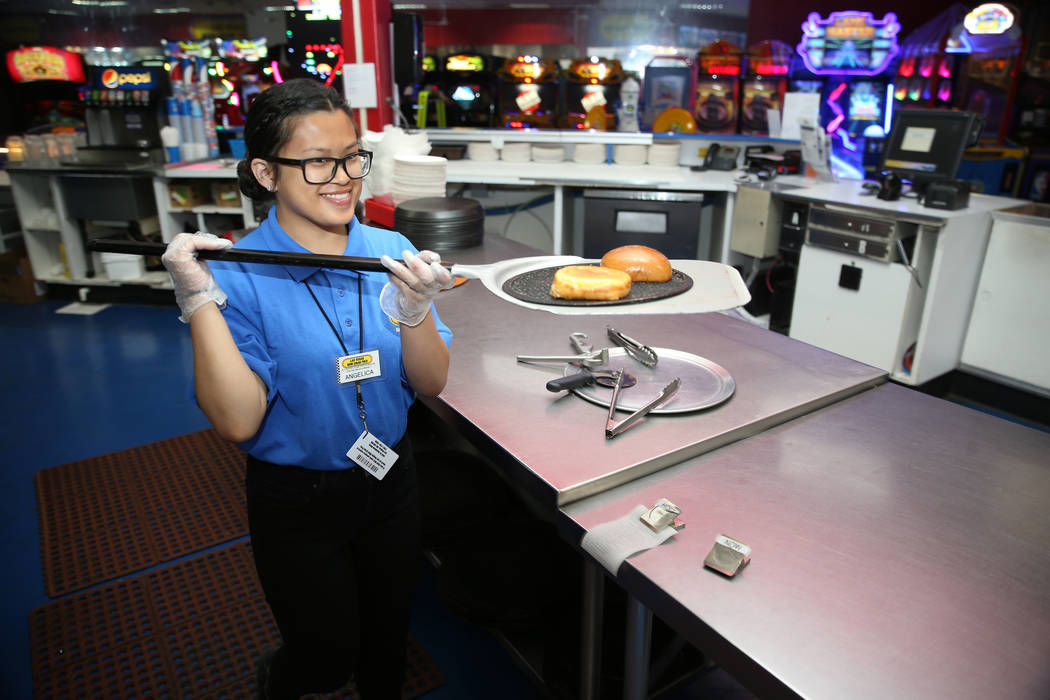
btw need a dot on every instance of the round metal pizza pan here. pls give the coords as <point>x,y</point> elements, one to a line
<point>704,383</point>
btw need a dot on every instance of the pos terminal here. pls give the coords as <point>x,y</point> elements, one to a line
<point>924,150</point>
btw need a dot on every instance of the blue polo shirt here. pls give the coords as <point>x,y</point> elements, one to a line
<point>312,420</point>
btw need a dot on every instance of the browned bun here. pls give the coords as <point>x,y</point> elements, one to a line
<point>590,282</point>
<point>642,263</point>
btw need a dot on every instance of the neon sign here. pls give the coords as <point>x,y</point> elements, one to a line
<point>849,43</point>
<point>989,18</point>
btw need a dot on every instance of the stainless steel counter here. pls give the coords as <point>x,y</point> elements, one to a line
<point>901,548</point>
<point>554,446</point>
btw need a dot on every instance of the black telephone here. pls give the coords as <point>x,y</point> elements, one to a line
<point>719,157</point>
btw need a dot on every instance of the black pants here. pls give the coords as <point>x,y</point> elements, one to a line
<point>338,556</point>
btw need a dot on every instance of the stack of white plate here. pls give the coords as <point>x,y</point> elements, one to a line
<point>589,153</point>
<point>665,153</point>
<point>548,153</point>
<point>630,153</point>
<point>418,176</point>
<point>517,152</point>
<point>482,150</point>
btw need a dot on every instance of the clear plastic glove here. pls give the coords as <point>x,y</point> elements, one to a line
<point>406,297</point>
<point>194,284</point>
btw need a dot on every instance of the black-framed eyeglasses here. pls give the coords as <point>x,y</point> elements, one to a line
<point>320,171</point>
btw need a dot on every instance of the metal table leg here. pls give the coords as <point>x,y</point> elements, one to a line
<point>591,636</point>
<point>636,650</point>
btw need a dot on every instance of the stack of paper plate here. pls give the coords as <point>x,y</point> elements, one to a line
<point>665,153</point>
<point>441,223</point>
<point>548,153</point>
<point>517,152</point>
<point>630,153</point>
<point>482,150</point>
<point>418,176</point>
<point>589,153</point>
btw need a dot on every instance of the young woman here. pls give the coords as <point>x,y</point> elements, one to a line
<point>312,372</point>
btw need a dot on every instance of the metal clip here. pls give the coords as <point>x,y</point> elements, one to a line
<point>728,556</point>
<point>661,515</point>
<point>612,429</point>
<point>643,353</point>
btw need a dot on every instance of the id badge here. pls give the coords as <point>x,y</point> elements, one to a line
<point>372,454</point>
<point>354,368</point>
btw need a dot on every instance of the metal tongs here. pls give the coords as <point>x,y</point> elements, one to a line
<point>642,353</point>
<point>595,358</point>
<point>612,429</point>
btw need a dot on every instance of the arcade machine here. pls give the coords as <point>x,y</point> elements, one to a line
<point>240,74</point>
<point>44,88</point>
<point>718,88</point>
<point>990,39</point>
<point>314,33</point>
<point>592,91</point>
<point>417,107</point>
<point>470,86</point>
<point>927,74</point>
<point>1032,124</point>
<point>528,93</point>
<point>851,53</point>
<point>764,87</point>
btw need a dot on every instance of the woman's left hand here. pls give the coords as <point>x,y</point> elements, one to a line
<point>412,286</point>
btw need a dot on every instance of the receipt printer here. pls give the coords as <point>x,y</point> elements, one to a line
<point>947,194</point>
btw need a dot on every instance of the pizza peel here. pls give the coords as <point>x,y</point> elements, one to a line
<point>717,287</point>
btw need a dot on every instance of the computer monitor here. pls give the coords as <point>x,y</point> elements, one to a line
<point>926,145</point>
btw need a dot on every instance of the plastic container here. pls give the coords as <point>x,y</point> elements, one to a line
<point>121,267</point>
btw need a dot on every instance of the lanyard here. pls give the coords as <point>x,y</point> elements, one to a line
<point>360,338</point>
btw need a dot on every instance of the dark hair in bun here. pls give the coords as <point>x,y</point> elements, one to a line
<point>271,120</point>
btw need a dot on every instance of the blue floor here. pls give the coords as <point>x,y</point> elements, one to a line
<point>79,386</point>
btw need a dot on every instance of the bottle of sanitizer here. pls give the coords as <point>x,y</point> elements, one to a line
<point>627,113</point>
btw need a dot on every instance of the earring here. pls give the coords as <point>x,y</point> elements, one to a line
<point>269,188</point>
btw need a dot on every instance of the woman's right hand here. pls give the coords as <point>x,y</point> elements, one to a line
<point>192,279</point>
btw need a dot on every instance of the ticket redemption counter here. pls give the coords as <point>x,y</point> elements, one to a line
<point>890,284</point>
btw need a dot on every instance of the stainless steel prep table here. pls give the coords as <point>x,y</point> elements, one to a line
<point>901,548</point>
<point>554,445</point>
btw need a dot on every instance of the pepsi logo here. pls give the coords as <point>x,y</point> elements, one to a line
<point>110,78</point>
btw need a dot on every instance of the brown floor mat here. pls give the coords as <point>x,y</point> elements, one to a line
<point>190,629</point>
<point>108,516</point>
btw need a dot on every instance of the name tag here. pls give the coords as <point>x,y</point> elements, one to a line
<point>354,368</point>
<point>372,454</point>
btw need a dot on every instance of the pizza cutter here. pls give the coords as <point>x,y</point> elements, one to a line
<point>586,377</point>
